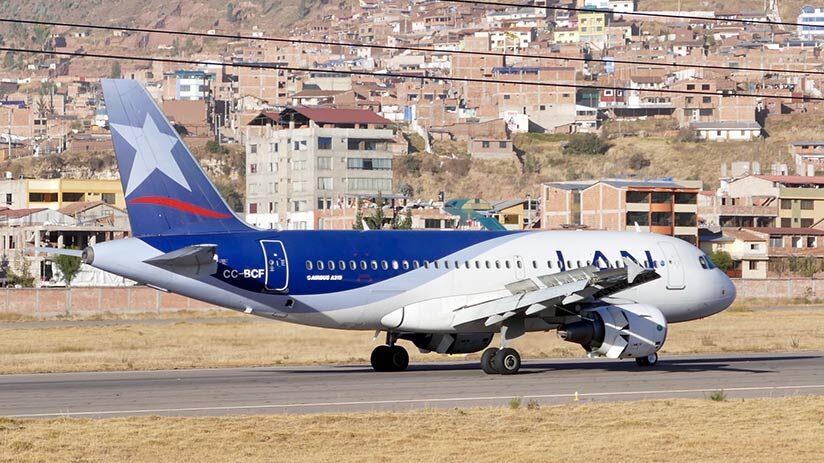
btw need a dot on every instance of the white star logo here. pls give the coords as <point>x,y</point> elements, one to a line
<point>153,151</point>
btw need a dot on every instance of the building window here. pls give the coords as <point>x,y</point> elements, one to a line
<point>776,241</point>
<point>662,219</point>
<point>807,204</point>
<point>683,219</point>
<point>8,199</point>
<point>786,204</point>
<point>273,147</point>
<point>431,223</point>
<point>705,86</point>
<point>324,143</point>
<point>753,265</point>
<point>369,184</point>
<point>324,183</point>
<point>641,218</point>
<point>686,198</point>
<point>502,144</point>
<point>786,222</point>
<point>806,223</point>
<point>661,198</point>
<point>368,164</point>
<point>811,241</point>
<point>252,168</point>
<point>706,100</point>
<point>324,162</point>
<point>637,197</point>
<point>299,186</point>
<point>485,144</point>
<point>253,208</point>
<point>253,149</point>
<point>690,87</point>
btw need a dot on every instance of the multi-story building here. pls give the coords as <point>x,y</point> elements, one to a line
<point>60,192</point>
<point>808,156</point>
<point>304,160</point>
<point>669,207</point>
<point>193,85</point>
<point>811,23</point>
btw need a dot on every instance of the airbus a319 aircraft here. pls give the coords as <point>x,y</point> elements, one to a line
<point>449,292</point>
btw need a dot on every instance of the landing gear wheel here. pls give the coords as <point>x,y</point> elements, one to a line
<point>389,358</point>
<point>507,361</point>
<point>398,358</point>
<point>648,361</point>
<point>488,361</point>
<point>379,358</point>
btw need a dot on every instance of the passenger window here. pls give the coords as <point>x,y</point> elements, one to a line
<point>703,262</point>
<point>341,265</point>
<point>569,264</point>
<point>374,265</point>
<point>488,266</point>
<point>394,265</point>
<point>405,265</point>
<point>384,265</point>
<point>578,263</point>
<point>497,264</point>
<point>506,263</point>
<point>560,264</point>
<point>617,264</point>
<point>519,264</point>
<point>426,264</point>
<point>320,265</point>
<point>549,264</point>
<point>308,265</point>
<point>589,262</point>
<point>457,264</point>
<point>416,264</point>
<point>467,264</point>
<point>331,265</point>
<point>534,264</point>
<point>446,264</point>
<point>477,264</point>
<point>363,265</point>
<point>353,265</point>
<point>435,263</point>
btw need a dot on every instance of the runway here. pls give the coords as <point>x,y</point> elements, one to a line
<point>244,391</point>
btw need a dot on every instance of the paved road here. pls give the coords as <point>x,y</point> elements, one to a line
<point>357,388</point>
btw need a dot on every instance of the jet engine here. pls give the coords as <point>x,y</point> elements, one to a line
<point>618,331</point>
<point>450,343</point>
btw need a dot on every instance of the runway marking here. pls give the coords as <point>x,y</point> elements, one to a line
<point>410,401</point>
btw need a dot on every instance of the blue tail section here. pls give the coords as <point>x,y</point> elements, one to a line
<point>166,190</point>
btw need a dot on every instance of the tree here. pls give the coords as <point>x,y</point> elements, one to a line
<point>115,73</point>
<point>404,223</point>
<point>69,267</point>
<point>230,13</point>
<point>8,60</point>
<point>20,275</point>
<point>721,259</point>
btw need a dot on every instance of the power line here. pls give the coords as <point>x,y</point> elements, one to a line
<point>401,48</point>
<point>635,13</point>
<point>385,74</point>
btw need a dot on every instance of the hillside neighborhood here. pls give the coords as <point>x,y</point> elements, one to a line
<point>346,115</point>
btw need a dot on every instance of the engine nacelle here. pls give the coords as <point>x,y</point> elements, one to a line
<point>451,343</point>
<point>618,331</point>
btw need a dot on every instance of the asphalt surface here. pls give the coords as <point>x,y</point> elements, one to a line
<point>244,391</point>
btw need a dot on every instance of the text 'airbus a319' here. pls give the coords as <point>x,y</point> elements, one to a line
<point>614,293</point>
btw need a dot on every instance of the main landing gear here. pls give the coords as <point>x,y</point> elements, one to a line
<point>648,361</point>
<point>389,357</point>
<point>505,361</point>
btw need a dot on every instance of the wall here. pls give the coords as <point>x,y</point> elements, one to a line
<point>779,289</point>
<point>49,302</point>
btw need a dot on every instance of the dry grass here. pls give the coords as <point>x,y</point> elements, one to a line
<point>237,342</point>
<point>673,430</point>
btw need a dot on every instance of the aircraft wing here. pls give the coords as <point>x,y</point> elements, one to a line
<point>561,291</point>
<point>191,260</point>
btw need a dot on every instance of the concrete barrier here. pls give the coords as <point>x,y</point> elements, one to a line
<point>51,302</point>
<point>791,288</point>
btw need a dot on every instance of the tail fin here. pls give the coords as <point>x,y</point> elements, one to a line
<point>166,190</point>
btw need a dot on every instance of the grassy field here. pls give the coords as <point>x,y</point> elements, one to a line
<point>768,430</point>
<point>240,341</point>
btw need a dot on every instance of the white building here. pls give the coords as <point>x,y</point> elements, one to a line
<point>727,130</point>
<point>812,20</point>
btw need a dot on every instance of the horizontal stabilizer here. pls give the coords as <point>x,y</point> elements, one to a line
<point>195,259</point>
<point>62,251</point>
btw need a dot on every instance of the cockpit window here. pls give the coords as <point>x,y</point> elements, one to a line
<point>706,263</point>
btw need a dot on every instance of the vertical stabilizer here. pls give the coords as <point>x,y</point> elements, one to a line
<point>166,190</point>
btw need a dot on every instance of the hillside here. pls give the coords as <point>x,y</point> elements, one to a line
<point>646,156</point>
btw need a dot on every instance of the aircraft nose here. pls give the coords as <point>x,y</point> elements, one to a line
<point>727,290</point>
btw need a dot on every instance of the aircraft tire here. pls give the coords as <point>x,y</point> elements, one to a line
<point>380,358</point>
<point>648,361</point>
<point>507,361</point>
<point>398,358</point>
<point>488,361</point>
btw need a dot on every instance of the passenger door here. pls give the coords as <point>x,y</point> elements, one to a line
<point>674,266</point>
<point>276,273</point>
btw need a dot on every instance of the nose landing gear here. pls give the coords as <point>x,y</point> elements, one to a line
<point>648,361</point>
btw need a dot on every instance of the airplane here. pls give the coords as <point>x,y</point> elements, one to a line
<point>450,292</point>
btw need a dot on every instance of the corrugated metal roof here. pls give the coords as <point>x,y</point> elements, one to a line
<point>341,116</point>
<point>793,179</point>
<point>17,213</point>
<point>788,231</point>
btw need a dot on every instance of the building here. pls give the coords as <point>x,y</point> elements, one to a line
<point>808,157</point>
<point>193,85</point>
<point>669,207</point>
<point>727,130</point>
<point>60,192</point>
<point>747,249</point>
<point>811,23</point>
<point>307,159</point>
<point>516,214</point>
